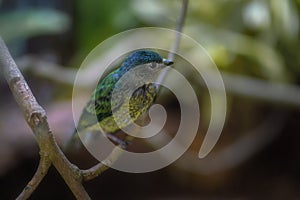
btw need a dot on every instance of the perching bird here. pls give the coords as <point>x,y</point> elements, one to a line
<point>99,110</point>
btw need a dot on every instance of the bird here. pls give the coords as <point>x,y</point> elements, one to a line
<point>100,108</point>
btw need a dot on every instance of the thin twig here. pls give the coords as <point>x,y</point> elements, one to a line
<point>101,167</point>
<point>98,169</point>
<point>176,43</point>
<point>179,28</point>
<point>40,173</point>
<point>93,172</point>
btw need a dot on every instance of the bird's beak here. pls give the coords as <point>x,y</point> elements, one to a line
<point>167,62</point>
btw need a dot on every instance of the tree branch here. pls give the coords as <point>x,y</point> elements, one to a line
<point>98,169</point>
<point>40,173</point>
<point>36,118</point>
<point>176,43</point>
<point>179,28</point>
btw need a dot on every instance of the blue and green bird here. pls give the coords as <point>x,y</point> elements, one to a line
<point>100,108</point>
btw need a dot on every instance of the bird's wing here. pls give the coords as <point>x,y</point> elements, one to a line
<point>100,103</point>
<point>99,106</point>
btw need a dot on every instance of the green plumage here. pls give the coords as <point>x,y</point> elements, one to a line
<point>99,109</point>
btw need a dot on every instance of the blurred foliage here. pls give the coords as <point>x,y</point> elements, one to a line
<point>258,38</point>
<point>32,22</point>
<point>19,25</point>
<point>94,21</point>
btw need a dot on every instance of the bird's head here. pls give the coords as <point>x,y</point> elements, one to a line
<point>147,58</point>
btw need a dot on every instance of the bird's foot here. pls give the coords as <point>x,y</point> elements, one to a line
<point>123,143</point>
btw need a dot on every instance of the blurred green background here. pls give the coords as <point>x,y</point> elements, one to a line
<point>254,43</point>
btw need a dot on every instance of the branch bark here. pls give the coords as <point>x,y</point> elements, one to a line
<point>36,118</point>
<point>42,170</point>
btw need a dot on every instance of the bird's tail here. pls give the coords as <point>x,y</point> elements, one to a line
<point>74,142</point>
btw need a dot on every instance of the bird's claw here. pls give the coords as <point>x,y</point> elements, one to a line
<point>123,143</point>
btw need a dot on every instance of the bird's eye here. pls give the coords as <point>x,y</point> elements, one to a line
<point>153,65</point>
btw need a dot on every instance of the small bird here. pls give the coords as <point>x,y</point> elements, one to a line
<point>99,110</point>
